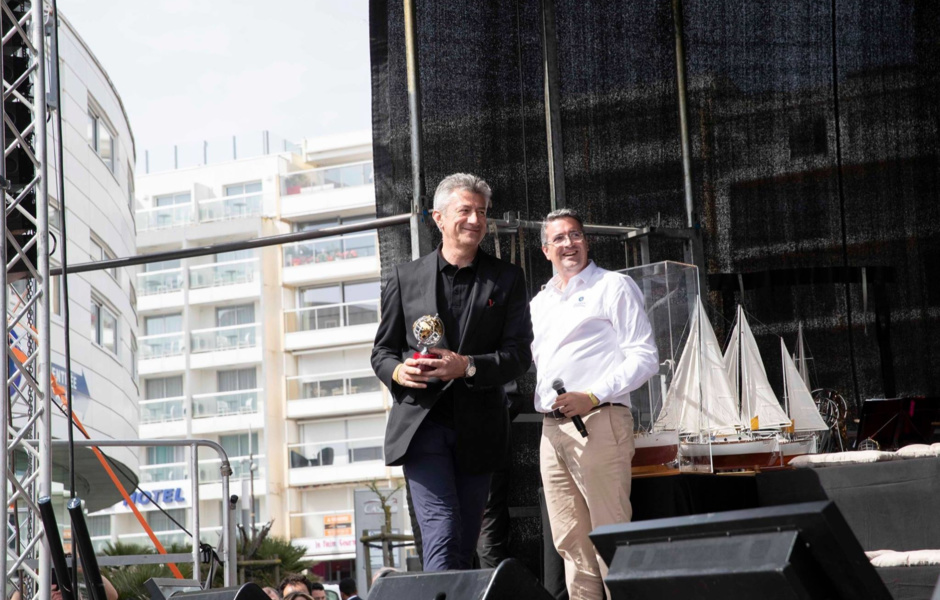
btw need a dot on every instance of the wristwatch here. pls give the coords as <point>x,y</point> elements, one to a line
<point>471,368</point>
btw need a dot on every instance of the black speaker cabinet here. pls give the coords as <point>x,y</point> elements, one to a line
<point>509,581</point>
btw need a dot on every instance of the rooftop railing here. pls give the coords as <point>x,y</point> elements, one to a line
<point>327,178</point>
<point>330,385</point>
<point>224,273</point>
<point>331,316</point>
<point>330,249</point>
<point>337,452</point>
<point>216,339</point>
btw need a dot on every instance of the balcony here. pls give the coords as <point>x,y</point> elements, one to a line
<point>230,280</point>
<point>340,393</point>
<point>230,207</point>
<point>159,289</point>
<point>337,461</point>
<point>331,259</point>
<point>225,411</point>
<point>331,325</point>
<point>210,471</point>
<point>163,352</point>
<point>221,346</point>
<point>164,410</point>
<point>329,189</point>
<point>164,217</point>
<point>177,471</point>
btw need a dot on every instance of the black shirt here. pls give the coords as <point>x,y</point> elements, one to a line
<point>453,304</point>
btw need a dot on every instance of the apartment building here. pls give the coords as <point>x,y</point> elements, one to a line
<point>265,351</point>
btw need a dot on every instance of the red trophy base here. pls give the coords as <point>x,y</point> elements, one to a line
<point>417,355</point>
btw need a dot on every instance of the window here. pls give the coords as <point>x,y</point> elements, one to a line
<point>163,387</point>
<point>98,526</point>
<point>239,444</point>
<point>237,379</point>
<point>104,326</point>
<point>101,138</point>
<point>172,199</point>
<point>360,302</point>
<point>159,521</point>
<point>362,291</point>
<point>238,189</point>
<point>165,455</point>
<point>134,357</point>
<point>229,316</point>
<point>162,265</point>
<point>130,188</point>
<point>100,251</point>
<point>172,323</point>
<point>234,255</point>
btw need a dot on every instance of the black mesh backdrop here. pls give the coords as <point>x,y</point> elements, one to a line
<point>814,130</point>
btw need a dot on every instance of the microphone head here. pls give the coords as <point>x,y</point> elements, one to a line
<point>558,384</point>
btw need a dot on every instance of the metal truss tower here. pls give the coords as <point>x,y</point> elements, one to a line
<point>26,452</point>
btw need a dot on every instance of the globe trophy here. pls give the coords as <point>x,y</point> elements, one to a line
<point>429,331</point>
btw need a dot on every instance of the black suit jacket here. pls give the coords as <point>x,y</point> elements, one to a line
<point>498,334</point>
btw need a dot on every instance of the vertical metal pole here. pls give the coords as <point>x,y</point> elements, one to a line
<point>4,374</point>
<point>556,158</point>
<point>683,113</point>
<point>43,371</point>
<point>194,494</point>
<point>420,237</point>
<point>228,537</point>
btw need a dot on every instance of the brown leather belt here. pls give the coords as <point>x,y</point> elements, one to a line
<point>556,414</point>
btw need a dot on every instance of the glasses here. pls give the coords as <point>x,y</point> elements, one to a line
<point>573,236</point>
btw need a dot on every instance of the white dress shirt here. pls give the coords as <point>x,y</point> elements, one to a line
<point>594,335</point>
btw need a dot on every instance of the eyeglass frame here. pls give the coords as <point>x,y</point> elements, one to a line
<point>561,237</point>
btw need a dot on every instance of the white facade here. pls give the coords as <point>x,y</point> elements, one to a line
<point>265,351</point>
<point>99,156</point>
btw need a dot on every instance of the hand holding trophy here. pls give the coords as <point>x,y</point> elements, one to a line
<point>429,331</point>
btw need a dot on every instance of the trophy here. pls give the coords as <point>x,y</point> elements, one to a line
<point>429,331</point>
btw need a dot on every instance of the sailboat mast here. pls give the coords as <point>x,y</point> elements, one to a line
<point>740,377</point>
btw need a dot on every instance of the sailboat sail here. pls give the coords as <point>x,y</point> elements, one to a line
<point>700,398</point>
<point>802,408</point>
<point>760,408</point>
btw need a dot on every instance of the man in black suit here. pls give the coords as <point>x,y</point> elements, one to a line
<point>449,427</point>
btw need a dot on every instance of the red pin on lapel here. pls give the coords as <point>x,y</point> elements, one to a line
<point>489,302</point>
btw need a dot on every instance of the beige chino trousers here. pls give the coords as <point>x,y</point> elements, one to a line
<point>587,484</point>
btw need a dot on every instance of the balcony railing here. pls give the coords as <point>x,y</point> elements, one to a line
<point>331,316</point>
<point>230,207</point>
<point>218,339</point>
<point>164,472</point>
<point>163,217</point>
<point>328,178</point>
<point>159,282</point>
<point>209,469</point>
<point>165,410</point>
<point>338,452</point>
<point>225,273</point>
<point>330,249</point>
<point>223,404</point>
<point>330,385</point>
<point>161,346</point>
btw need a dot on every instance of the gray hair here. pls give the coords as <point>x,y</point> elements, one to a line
<point>460,181</point>
<point>561,213</point>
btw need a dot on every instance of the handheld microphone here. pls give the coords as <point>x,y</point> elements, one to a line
<point>559,386</point>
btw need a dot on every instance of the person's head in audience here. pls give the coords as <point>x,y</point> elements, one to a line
<point>317,591</point>
<point>295,582</point>
<point>347,588</point>
<point>272,593</point>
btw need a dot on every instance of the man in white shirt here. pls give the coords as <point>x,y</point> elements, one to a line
<point>591,331</point>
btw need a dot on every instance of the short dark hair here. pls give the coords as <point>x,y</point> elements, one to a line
<point>295,578</point>
<point>316,585</point>
<point>348,586</point>
<point>561,213</point>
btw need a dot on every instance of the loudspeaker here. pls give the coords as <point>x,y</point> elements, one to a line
<point>509,581</point>
<point>793,552</point>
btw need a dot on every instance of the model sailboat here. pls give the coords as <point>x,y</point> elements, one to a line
<point>802,410</point>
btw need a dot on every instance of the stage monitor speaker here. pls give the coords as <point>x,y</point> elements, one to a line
<point>509,581</point>
<point>160,589</point>
<point>795,552</point>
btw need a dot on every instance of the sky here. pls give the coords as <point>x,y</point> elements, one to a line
<point>191,70</point>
